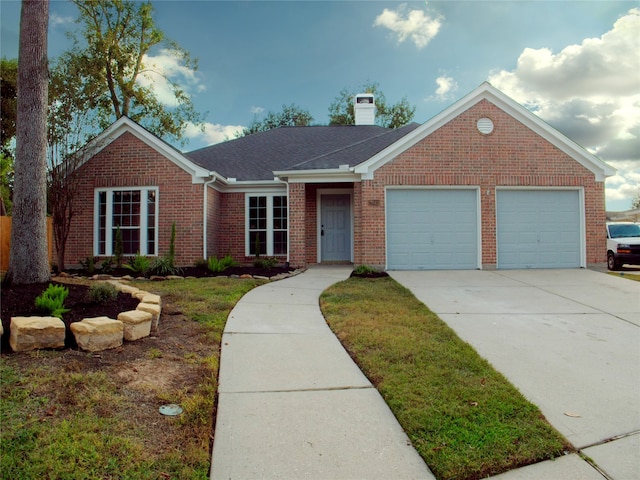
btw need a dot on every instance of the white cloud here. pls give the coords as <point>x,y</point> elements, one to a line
<point>166,67</point>
<point>446,87</point>
<point>256,110</point>
<point>590,93</point>
<point>56,20</point>
<point>417,25</point>
<point>213,133</point>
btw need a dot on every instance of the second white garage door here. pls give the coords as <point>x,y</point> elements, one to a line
<point>432,229</point>
<point>538,228</point>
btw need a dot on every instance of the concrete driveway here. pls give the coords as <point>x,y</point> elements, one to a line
<point>569,340</point>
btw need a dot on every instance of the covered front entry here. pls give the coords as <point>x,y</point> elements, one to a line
<point>335,229</point>
<point>432,229</point>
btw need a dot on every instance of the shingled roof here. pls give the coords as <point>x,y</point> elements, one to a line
<point>257,156</point>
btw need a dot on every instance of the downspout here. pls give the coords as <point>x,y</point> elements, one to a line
<point>278,179</point>
<point>204,220</point>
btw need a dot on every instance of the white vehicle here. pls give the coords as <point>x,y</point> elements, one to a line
<point>623,244</point>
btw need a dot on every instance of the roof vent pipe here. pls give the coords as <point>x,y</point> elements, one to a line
<point>364,109</point>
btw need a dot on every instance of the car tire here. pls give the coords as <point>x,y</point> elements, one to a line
<point>612,264</point>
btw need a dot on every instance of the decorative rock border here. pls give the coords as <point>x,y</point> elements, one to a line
<point>97,334</point>
<point>102,333</point>
<point>32,333</point>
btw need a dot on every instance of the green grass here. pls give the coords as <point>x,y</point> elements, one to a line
<point>464,418</point>
<point>67,424</point>
<point>626,275</point>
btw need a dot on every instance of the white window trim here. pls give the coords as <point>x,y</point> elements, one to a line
<point>269,196</point>
<point>109,218</point>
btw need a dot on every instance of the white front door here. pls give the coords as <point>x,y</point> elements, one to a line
<point>335,228</point>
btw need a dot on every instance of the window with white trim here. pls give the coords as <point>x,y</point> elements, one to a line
<point>134,211</point>
<point>267,225</point>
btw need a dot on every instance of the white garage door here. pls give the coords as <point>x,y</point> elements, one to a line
<point>432,229</point>
<point>538,228</point>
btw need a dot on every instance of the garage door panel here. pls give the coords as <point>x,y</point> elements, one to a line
<point>538,228</point>
<point>432,229</point>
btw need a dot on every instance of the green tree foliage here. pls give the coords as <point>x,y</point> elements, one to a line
<point>341,111</point>
<point>6,183</point>
<point>8,112</point>
<point>636,201</point>
<point>290,116</point>
<point>110,60</point>
<point>9,99</point>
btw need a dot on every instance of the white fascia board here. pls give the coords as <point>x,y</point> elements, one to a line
<point>258,186</point>
<point>486,91</point>
<point>329,175</point>
<point>123,125</point>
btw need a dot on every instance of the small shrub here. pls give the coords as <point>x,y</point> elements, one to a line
<point>89,264</point>
<point>200,263</point>
<point>51,301</point>
<point>118,247</point>
<point>265,262</point>
<point>138,264</point>
<point>364,270</point>
<point>101,292</point>
<point>107,265</point>
<point>172,244</point>
<point>164,266</point>
<point>220,265</point>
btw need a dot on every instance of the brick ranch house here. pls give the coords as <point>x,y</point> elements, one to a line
<point>484,184</point>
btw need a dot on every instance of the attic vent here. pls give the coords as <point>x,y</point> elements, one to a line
<point>365,109</point>
<point>485,126</point>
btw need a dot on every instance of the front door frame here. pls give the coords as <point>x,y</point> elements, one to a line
<point>326,192</point>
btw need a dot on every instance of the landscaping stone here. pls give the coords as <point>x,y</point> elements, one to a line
<point>151,298</point>
<point>139,294</point>
<point>101,276</point>
<point>31,333</point>
<point>137,324</point>
<point>127,289</point>
<point>99,333</point>
<point>154,309</point>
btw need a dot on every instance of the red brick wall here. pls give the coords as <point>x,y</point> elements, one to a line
<point>128,162</point>
<point>231,231</point>
<point>457,154</point>
<point>214,216</point>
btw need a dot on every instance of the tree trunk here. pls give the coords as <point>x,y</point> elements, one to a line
<point>28,260</point>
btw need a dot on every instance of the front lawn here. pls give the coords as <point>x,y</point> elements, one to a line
<point>70,414</point>
<point>464,418</point>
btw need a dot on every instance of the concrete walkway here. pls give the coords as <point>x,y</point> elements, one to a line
<point>292,404</point>
<point>569,340</point>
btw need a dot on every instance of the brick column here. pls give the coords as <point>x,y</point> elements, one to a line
<point>297,225</point>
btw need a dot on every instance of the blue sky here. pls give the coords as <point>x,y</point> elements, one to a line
<point>575,64</point>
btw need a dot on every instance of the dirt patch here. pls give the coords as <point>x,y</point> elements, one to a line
<point>147,373</point>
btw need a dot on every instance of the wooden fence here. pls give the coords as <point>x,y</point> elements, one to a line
<point>5,241</point>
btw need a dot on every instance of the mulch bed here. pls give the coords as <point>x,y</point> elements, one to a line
<point>19,300</point>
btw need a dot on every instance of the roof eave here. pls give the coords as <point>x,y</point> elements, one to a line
<point>329,175</point>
